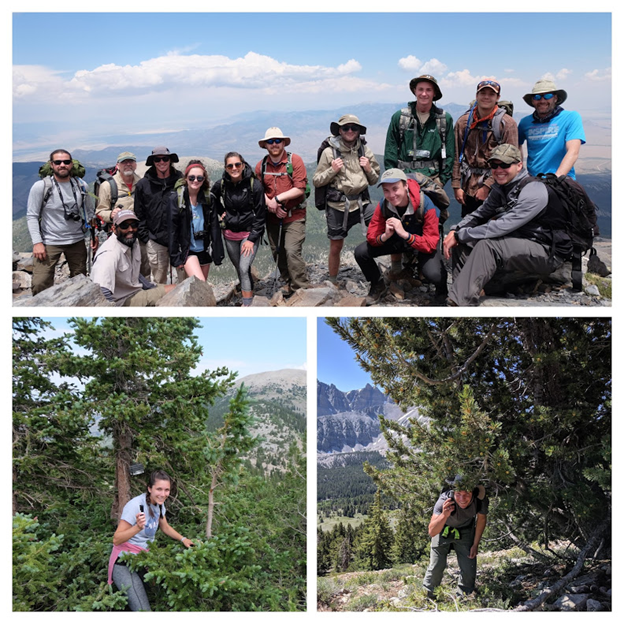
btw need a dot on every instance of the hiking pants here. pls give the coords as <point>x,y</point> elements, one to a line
<point>146,298</point>
<point>440,548</point>
<point>132,584</point>
<point>43,270</point>
<point>472,270</point>
<point>241,263</point>
<point>430,264</point>
<point>158,256</point>
<point>290,262</point>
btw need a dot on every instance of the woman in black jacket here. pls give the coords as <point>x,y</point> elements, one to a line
<point>194,235</point>
<point>239,200</point>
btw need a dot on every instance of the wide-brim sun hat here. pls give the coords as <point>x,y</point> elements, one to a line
<point>343,121</point>
<point>273,133</point>
<point>545,86</point>
<point>161,151</point>
<point>426,78</point>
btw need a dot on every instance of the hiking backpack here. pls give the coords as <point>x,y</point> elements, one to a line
<point>289,172</point>
<point>581,218</point>
<point>324,193</point>
<point>433,191</point>
<point>106,175</point>
<point>77,171</point>
<point>407,121</point>
<point>497,125</point>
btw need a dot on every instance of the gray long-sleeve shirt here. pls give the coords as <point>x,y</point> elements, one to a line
<point>48,224</point>
<point>494,219</point>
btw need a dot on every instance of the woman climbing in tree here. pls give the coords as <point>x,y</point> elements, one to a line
<point>239,199</point>
<point>140,519</point>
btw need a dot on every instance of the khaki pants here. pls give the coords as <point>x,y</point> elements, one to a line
<point>43,270</point>
<point>290,262</point>
<point>158,256</point>
<point>145,298</point>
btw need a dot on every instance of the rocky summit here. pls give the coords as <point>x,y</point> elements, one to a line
<point>350,291</point>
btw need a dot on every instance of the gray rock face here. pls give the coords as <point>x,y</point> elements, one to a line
<point>79,291</point>
<point>349,420</point>
<point>571,602</point>
<point>191,292</point>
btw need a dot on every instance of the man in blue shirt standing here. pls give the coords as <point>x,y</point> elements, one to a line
<point>554,136</point>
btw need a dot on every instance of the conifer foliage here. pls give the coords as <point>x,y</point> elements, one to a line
<point>519,405</point>
<point>125,390</point>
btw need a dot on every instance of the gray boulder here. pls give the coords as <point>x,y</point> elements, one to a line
<point>192,292</point>
<point>79,291</point>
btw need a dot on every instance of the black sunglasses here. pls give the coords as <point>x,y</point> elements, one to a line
<point>128,225</point>
<point>501,165</point>
<point>161,159</point>
<point>199,178</point>
<point>237,165</point>
<point>350,128</point>
<point>62,162</point>
<point>276,141</point>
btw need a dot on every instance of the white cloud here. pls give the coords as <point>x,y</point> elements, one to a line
<point>433,67</point>
<point>599,75</point>
<point>176,71</point>
<point>410,63</point>
<point>562,74</point>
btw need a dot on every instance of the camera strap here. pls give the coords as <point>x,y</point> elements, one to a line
<point>65,208</point>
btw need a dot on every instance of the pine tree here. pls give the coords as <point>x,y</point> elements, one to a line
<point>522,406</point>
<point>375,543</point>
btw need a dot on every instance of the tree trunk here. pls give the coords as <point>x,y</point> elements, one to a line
<point>123,457</point>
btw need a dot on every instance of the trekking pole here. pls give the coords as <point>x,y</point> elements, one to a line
<point>277,253</point>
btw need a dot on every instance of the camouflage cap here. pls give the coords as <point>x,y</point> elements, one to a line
<point>506,153</point>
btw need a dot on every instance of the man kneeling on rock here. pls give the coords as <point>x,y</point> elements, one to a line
<point>457,523</point>
<point>401,224</point>
<point>117,266</point>
<point>518,228</point>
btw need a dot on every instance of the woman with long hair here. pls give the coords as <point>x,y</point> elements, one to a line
<point>194,236</point>
<point>239,200</point>
<point>140,519</point>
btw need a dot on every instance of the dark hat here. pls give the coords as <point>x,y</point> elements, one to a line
<point>426,78</point>
<point>343,121</point>
<point>124,215</point>
<point>161,151</point>
<point>489,84</point>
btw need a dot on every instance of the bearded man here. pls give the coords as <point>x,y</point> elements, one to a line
<point>117,266</point>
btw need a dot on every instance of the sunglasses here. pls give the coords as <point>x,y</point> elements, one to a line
<point>128,225</point>
<point>350,128</point>
<point>276,141</point>
<point>500,165</point>
<point>62,162</point>
<point>546,96</point>
<point>199,178</point>
<point>488,83</point>
<point>237,165</point>
<point>161,159</point>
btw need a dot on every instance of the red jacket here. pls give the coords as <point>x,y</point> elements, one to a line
<point>426,234</point>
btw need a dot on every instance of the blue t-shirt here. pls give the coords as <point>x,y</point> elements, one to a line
<point>142,538</point>
<point>546,142</point>
<point>197,225</point>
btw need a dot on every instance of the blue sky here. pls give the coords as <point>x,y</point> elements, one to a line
<point>335,361</point>
<point>246,345</point>
<point>145,72</point>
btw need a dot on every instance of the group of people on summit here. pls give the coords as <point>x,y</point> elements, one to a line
<point>172,219</point>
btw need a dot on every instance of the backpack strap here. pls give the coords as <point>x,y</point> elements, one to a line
<point>47,191</point>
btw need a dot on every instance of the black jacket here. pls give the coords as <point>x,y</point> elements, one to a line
<point>179,226</point>
<point>151,205</point>
<point>243,204</point>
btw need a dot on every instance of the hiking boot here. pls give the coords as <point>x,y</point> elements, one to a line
<point>376,292</point>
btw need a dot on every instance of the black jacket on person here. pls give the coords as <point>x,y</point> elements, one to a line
<point>243,204</point>
<point>151,205</point>
<point>179,226</point>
